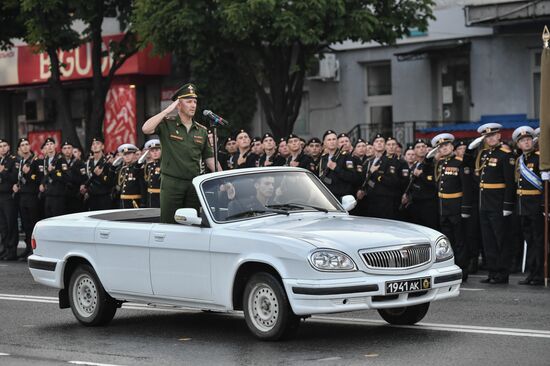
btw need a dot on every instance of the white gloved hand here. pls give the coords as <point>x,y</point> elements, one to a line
<point>464,216</point>
<point>545,175</point>
<point>506,213</point>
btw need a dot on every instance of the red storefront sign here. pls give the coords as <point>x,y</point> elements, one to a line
<point>119,125</point>
<point>21,65</point>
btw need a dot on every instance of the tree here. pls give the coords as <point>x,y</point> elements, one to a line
<point>274,41</point>
<point>47,26</point>
<point>92,13</point>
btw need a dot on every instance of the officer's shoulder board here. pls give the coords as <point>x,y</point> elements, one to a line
<point>505,148</point>
<point>201,126</point>
<point>344,153</point>
<point>458,158</point>
<point>324,154</point>
<point>170,118</point>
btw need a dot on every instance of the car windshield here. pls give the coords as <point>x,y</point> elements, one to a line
<point>266,193</point>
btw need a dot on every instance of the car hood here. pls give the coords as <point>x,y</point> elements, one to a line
<point>343,232</point>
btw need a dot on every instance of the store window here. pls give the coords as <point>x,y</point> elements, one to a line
<point>378,101</point>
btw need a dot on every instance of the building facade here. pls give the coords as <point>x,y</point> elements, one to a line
<point>460,70</point>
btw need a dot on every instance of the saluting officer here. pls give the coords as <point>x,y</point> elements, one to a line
<point>495,167</point>
<point>271,156</point>
<point>454,190</point>
<point>9,231</point>
<point>530,203</point>
<point>97,188</point>
<point>129,178</point>
<point>184,145</point>
<point>337,169</point>
<point>28,180</point>
<point>152,173</point>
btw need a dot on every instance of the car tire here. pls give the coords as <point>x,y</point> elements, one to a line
<point>90,304</point>
<point>267,311</point>
<point>408,315</point>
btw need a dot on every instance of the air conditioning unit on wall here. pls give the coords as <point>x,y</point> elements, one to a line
<point>328,69</point>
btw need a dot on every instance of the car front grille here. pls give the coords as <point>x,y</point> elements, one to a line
<point>400,258</point>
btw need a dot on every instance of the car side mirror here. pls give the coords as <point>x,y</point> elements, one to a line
<point>187,216</point>
<point>349,202</point>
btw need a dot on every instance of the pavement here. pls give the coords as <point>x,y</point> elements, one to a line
<point>486,324</point>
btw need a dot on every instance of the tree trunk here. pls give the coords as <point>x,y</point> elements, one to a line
<point>94,127</point>
<point>62,103</point>
<point>284,75</point>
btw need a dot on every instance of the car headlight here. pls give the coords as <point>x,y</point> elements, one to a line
<point>331,260</point>
<point>443,250</point>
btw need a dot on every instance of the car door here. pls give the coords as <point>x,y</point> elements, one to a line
<point>122,251</point>
<point>180,261</point>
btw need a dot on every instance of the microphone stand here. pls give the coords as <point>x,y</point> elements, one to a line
<point>214,124</point>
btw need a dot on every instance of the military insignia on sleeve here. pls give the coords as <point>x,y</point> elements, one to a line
<point>16,165</point>
<point>392,170</point>
<point>82,171</point>
<point>349,164</point>
<point>33,177</point>
<point>359,168</point>
<point>512,161</point>
<point>58,174</point>
<point>466,170</point>
<point>64,166</point>
<point>405,172</point>
<point>430,177</point>
<point>312,167</point>
<point>41,168</point>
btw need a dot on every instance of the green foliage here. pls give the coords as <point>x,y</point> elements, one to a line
<point>223,90</point>
<point>48,24</point>
<point>273,41</point>
<point>12,23</point>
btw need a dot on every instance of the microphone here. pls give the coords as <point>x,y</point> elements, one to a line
<point>214,117</point>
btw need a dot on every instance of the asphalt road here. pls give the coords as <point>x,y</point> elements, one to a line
<point>486,324</point>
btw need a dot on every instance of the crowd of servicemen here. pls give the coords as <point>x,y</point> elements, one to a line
<point>486,198</point>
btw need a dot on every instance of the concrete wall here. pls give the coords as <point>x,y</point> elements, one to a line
<point>501,75</point>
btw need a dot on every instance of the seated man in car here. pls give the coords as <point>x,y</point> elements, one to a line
<point>264,190</point>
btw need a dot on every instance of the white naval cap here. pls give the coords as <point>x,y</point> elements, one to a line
<point>488,128</point>
<point>442,138</point>
<point>521,132</point>
<point>537,131</point>
<point>152,143</point>
<point>124,148</point>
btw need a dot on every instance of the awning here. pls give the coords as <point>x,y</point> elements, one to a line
<point>469,129</point>
<point>435,50</point>
<point>506,12</point>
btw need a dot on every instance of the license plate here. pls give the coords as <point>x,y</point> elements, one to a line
<point>398,287</point>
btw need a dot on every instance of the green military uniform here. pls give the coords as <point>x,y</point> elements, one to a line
<point>182,153</point>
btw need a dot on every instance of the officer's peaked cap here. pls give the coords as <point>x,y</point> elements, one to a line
<point>521,132</point>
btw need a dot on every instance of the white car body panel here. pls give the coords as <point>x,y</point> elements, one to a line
<point>184,265</point>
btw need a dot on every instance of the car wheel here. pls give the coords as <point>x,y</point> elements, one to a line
<point>266,309</point>
<point>90,304</point>
<point>408,315</point>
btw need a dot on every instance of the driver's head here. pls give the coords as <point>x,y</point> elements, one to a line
<point>265,186</point>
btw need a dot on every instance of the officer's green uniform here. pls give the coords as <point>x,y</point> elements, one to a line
<point>182,152</point>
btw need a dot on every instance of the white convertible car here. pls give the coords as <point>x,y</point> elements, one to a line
<point>272,242</point>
